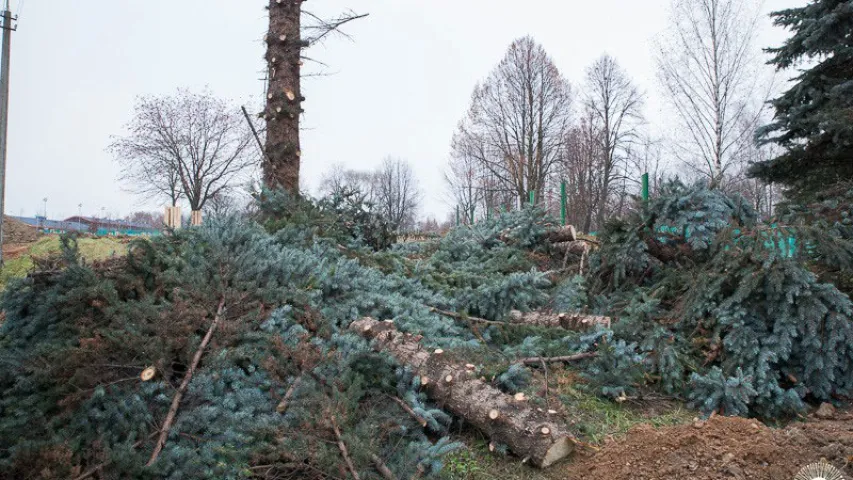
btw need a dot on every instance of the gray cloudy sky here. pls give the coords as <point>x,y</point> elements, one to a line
<point>399,88</point>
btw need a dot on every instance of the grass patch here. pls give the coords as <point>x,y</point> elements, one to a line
<point>90,248</point>
<point>601,418</point>
<point>476,462</point>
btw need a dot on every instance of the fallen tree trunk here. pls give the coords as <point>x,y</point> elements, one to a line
<point>563,234</point>
<point>568,321</point>
<point>576,247</point>
<point>536,436</point>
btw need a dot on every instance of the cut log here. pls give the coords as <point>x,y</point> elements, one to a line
<point>562,234</point>
<point>568,321</point>
<point>148,374</point>
<point>506,421</point>
<point>576,247</point>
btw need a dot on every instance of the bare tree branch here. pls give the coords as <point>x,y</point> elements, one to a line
<point>190,144</point>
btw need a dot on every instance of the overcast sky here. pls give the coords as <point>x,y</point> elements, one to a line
<point>399,87</point>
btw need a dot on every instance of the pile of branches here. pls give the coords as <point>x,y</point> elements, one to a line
<point>228,350</point>
<point>730,312</point>
<point>303,343</point>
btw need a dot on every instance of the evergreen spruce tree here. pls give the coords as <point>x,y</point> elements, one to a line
<point>813,118</point>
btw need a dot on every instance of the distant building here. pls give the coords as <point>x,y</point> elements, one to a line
<point>108,227</point>
<point>43,225</point>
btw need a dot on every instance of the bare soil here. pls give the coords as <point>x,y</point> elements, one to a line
<point>14,250</point>
<point>17,232</point>
<point>722,448</point>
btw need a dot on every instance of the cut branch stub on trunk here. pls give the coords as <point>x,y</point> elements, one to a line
<point>284,50</point>
<point>530,434</point>
<point>568,321</point>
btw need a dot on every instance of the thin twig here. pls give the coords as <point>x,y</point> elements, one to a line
<point>545,368</point>
<point>565,359</point>
<point>343,448</point>
<point>405,406</point>
<point>176,401</point>
<point>255,133</point>
<point>382,468</point>
<point>285,401</point>
<point>459,316</point>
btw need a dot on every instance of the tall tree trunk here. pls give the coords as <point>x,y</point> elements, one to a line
<point>284,99</point>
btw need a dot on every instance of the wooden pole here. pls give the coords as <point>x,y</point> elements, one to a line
<point>4,112</point>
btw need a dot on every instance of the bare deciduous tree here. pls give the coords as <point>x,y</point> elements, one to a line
<point>580,166</point>
<point>153,179</point>
<point>517,120</point>
<point>615,107</point>
<point>709,73</point>
<point>396,193</point>
<point>464,180</point>
<point>192,143</point>
<point>151,219</point>
<point>339,178</point>
<point>291,30</point>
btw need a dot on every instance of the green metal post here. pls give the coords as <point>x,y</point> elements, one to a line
<point>532,197</point>
<point>457,215</point>
<point>645,187</point>
<point>473,209</point>
<point>563,201</point>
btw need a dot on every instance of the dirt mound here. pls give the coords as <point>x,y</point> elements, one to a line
<point>17,232</point>
<point>721,448</point>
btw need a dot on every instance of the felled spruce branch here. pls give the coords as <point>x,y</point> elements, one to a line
<point>188,376</point>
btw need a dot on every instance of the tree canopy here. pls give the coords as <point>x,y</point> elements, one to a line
<point>813,120</point>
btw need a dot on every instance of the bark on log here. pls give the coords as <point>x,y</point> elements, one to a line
<point>568,321</point>
<point>530,434</point>
<point>563,234</point>
<point>281,159</point>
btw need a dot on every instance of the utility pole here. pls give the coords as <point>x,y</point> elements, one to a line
<point>4,111</point>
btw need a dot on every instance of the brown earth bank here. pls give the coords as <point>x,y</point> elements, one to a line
<point>14,251</point>
<point>17,232</point>
<point>721,448</point>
